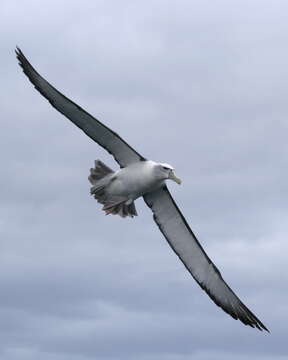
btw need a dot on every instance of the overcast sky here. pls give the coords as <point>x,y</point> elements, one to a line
<point>201,85</point>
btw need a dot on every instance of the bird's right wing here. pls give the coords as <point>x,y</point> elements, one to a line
<point>123,153</point>
<point>180,237</point>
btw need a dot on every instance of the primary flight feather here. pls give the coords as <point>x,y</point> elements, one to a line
<point>137,177</point>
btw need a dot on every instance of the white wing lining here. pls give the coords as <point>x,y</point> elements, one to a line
<point>180,237</point>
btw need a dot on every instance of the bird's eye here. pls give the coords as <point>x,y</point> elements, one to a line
<point>165,168</point>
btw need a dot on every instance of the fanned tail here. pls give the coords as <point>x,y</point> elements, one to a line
<point>100,178</point>
<point>120,208</point>
<point>99,172</point>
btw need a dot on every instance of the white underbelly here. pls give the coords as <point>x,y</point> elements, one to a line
<point>134,181</point>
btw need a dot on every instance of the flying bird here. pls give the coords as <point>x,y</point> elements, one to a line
<point>137,177</point>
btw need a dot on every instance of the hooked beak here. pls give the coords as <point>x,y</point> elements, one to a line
<point>173,177</point>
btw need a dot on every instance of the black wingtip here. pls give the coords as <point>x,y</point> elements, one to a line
<point>18,52</point>
<point>264,328</point>
<point>27,68</point>
<point>19,55</point>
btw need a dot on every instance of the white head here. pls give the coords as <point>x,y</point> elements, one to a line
<point>166,171</point>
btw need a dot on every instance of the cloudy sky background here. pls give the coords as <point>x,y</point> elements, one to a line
<point>198,84</point>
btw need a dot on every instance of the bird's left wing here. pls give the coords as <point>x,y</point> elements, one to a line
<point>185,244</point>
<point>123,153</point>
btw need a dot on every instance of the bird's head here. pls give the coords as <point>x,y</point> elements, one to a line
<point>166,171</point>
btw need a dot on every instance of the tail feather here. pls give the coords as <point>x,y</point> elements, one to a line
<point>121,209</point>
<point>132,209</point>
<point>113,202</point>
<point>99,172</point>
<point>100,178</point>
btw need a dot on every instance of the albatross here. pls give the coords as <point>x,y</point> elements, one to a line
<point>139,177</point>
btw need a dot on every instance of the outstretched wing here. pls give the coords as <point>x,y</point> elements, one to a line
<point>180,237</point>
<point>108,139</point>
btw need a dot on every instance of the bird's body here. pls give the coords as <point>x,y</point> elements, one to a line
<point>135,180</point>
<point>117,191</point>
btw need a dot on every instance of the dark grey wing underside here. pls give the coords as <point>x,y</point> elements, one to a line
<point>108,139</point>
<point>185,244</point>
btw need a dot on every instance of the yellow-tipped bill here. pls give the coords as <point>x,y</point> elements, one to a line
<point>173,177</point>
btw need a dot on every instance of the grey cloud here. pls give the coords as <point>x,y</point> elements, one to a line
<point>199,85</point>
